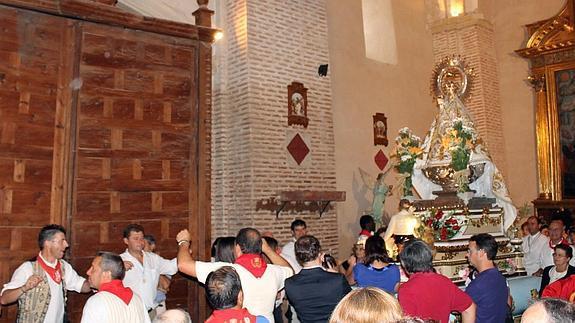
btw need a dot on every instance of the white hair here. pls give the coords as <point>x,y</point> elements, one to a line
<point>173,316</point>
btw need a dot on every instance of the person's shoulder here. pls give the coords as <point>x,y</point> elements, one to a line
<point>152,255</point>
<point>97,299</point>
<point>25,269</point>
<point>287,246</point>
<point>359,267</point>
<point>26,265</point>
<point>492,274</point>
<point>280,270</point>
<point>393,267</point>
<point>543,239</point>
<point>65,263</point>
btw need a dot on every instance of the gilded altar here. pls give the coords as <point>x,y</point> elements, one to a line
<point>481,215</point>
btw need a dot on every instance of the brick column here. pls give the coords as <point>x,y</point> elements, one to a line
<point>471,36</point>
<point>267,45</point>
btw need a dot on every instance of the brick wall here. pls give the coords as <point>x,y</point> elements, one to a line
<point>268,45</point>
<point>472,38</point>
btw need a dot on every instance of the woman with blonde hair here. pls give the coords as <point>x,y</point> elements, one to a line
<point>367,305</point>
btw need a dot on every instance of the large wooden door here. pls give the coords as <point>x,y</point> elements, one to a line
<point>101,125</point>
<point>135,128</point>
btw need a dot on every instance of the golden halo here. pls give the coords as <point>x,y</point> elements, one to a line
<point>451,76</point>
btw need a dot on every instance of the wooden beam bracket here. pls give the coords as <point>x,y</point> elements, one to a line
<point>299,201</point>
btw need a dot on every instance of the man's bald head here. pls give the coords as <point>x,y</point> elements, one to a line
<point>250,241</point>
<point>173,316</point>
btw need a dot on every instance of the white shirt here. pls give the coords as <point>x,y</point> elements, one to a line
<point>73,281</point>
<point>288,253</point>
<point>259,293</point>
<point>535,252</point>
<point>143,278</point>
<point>105,307</point>
<point>554,275</point>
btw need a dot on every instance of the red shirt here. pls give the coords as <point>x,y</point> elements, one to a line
<point>432,296</point>
<point>563,288</point>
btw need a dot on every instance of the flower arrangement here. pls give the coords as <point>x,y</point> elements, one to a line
<point>507,265</point>
<point>445,225</point>
<point>407,150</point>
<point>458,141</point>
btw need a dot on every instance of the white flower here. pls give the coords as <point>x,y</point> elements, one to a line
<point>405,157</point>
<point>404,130</point>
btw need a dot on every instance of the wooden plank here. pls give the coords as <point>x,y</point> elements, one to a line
<point>338,196</point>
<point>90,185</point>
<point>64,126</point>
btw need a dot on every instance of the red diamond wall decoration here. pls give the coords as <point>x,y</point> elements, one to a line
<point>298,149</point>
<point>380,160</point>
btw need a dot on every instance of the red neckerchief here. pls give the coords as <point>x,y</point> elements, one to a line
<point>365,233</point>
<point>226,316</point>
<point>563,242</point>
<point>117,288</point>
<point>54,273</point>
<point>255,264</point>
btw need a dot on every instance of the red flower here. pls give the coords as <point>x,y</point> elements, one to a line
<point>455,227</point>
<point>439,215</point>
<point>443,234</point>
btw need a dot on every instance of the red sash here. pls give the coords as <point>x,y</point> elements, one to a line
<point>54,273</point>
<point>563,242</point>
<point>255,264</point>
<point>365,233</point>
<point>225,316</point>
<point>117,288</point>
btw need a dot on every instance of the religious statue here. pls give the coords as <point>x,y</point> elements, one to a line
<point>380,192</point>
<point>454,158</point>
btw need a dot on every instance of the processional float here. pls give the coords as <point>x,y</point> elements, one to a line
<point>462,192</point>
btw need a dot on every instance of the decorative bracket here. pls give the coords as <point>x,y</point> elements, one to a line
<point>300,201</point>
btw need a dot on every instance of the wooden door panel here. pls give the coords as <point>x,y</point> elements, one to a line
<point>32,71</point>
<point>135,122</point>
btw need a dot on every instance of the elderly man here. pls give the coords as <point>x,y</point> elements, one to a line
<point>39,285</point>
<point>489,289</point>
<point>426,294</point>
<point>113,302</point>
<point>549,310</point>
<point>175,315</point>
<point>260,281</point>
<point>556,237</point>
<point>144,268</point>
<point>535,246</point>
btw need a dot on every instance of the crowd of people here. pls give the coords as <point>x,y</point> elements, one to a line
<point>251,278</point>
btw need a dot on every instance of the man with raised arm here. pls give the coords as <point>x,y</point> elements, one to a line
<point>260,281</point>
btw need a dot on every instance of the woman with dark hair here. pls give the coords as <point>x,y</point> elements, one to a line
<point>224,249</point>
<point>561,269</point>
<point>377,269</point>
